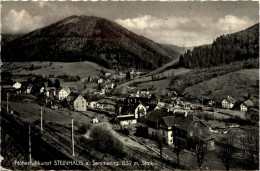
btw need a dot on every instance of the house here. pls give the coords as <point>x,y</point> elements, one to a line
<point>180,111</point>
<point>136,109</point>
<point>62,93</point>
<point>187,127</point>
<point>244,106</point>
<point>161,104</point>
<point>107,104</point>
<point>211,103</point>
<point>151,108</point>
<point>177,128</point>
<point>111,85</point>
<point>108,74</point>
<point>92,104</point>
<point>94,120</point>
<point>76,102</point>
<point>153,122</point>
<point>42,89</point>
<point>50,91</point>
<point>95,105</point>
<point>130,74</point>
<point>139,110</point>
<point>126,120</point>
<point>17,85</point>
<point>100,81</point>
<point>228,102</point>
<point>29,89</point>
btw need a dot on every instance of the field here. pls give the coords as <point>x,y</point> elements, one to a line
<point>159,76</point>
<point>237,84</point>
<point>160,86</point>
<point>83,69</point>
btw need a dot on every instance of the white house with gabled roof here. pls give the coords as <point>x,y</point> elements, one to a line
<point>17,85</point>
<point>62,93</point>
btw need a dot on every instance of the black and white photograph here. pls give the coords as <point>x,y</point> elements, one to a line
<point>129,85</point>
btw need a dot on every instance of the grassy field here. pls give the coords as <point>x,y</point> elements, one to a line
<point>236,84</point>
<point>83,69</point>
<point>160,76</point>
<point>160,86</point>
<point>30,112</point>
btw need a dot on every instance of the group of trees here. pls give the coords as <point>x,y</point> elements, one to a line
<point>225,49</point>
<point>106,142</point>
<point>68,78</point>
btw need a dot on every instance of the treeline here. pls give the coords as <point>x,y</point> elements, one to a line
<point>226,49</point>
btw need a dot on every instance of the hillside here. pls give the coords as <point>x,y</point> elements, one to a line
<point>88,38</point>
<point>236,84</point>
<point>59,68</point>
<point>5,38</point>
<point>225,49</point>
<point>175,48</point>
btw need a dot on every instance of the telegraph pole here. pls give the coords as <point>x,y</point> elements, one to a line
<point>7,106</point>
<point>41,121</point>
<point>30,150</point>
<point>72,137</point>
<point>201,103</point>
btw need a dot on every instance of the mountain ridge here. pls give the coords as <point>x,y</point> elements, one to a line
<point>225,49</point>
<point>88,38</point>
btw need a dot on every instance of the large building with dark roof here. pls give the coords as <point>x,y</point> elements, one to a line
<point>177,128</point>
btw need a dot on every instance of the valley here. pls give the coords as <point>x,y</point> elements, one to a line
<point>93,92</point>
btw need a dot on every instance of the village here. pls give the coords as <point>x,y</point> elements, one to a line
<point>165,125</point>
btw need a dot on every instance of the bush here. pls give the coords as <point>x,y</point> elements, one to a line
<point>105,142</point>
<point>83,128</point>
<point>208,117</point>
<point>125,131</point>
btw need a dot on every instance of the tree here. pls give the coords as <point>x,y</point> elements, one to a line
<point>83,128</point>
<point>251,150</point>
<point>249,95</point>
<point>181,60</point>
<point>31,68</point>
<point>200,149</point>
<point>57,83</point>
<point>227,150</point>
<point>50,84</point>
<point>78,77</point>
<point>29,80</point>
<point>105,142</point>
<point>177,149</point>
<point>128,76</point>
<point>160,143</point>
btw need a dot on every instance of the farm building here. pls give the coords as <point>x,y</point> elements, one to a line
<point>228,102</point>
<point>244,106</point>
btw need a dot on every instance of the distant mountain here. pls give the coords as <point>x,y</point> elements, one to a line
<point>228,48</point>
<point>175,48</point>
<point>8,38</point>
<point>88,38</point>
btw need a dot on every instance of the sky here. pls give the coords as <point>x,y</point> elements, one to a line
<point>178,23</point>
